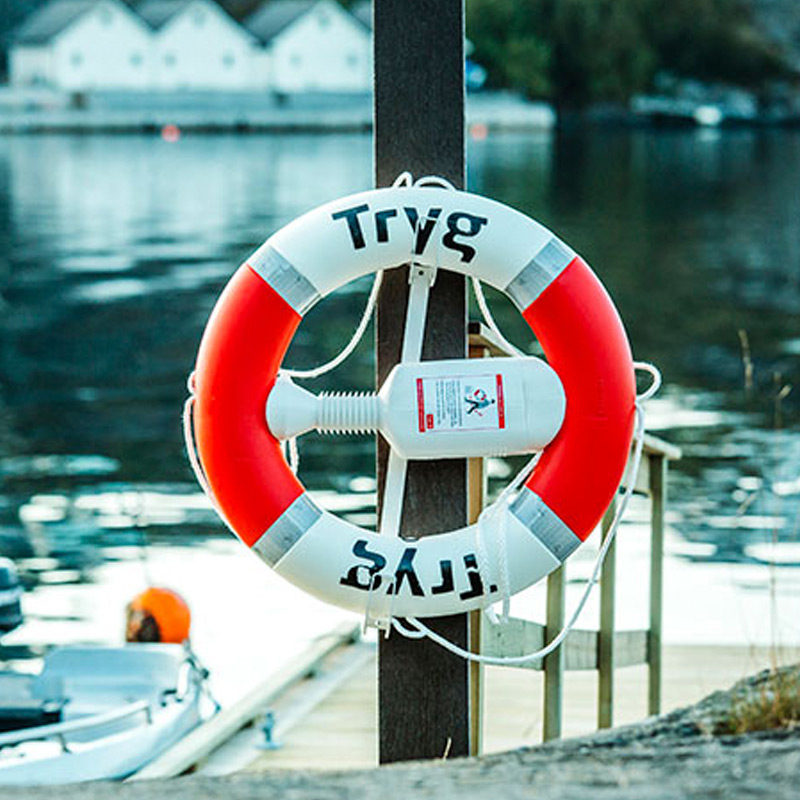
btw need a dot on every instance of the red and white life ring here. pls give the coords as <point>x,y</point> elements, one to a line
<point>250,330</point>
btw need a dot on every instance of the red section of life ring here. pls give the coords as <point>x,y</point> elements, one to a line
<point>585,343</point>
<point>245,341</point>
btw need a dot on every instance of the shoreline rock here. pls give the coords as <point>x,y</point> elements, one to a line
<point>662,758</point>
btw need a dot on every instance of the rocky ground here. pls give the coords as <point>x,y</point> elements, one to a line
<point>678,755</point>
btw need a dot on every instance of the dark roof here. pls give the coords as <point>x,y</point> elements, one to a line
<point>49,20</point>
<point>275,16</point>
<point>362,11</point>
<point>157,13</point>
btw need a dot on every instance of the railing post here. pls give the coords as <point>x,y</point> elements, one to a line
<point>554,663</point>
<point>476,500</point>
<point>476,475</point>
<point>658,497</point>
<point>605,642</point>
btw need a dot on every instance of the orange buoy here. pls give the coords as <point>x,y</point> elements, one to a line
<point>157,615</point>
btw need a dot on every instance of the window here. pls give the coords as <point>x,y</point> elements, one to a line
<point>296,60</point>
<point>105,15</point>
<point>352,60</point>
<point>323,20</point>
<point>169,59</point>
<point>76,59</point>
<point>228,59</point>
<point>199,18</point>
<point>136,59</point>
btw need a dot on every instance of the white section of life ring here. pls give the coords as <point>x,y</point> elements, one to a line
<point>333,559</point>
<point>375,230</point>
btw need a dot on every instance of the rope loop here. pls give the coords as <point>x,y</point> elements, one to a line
<point>434,180</point>
<point>655,384</point>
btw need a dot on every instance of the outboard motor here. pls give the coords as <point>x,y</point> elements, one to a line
<point>10,594</point>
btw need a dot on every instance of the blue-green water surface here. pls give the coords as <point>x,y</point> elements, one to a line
<point>114,249</point>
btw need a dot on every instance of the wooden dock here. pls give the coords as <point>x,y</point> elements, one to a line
<point>321,712</point>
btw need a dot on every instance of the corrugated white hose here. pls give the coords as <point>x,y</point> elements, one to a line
<point>290,445</point>
<point>418,629</point>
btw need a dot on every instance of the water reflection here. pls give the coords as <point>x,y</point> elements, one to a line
<point>114,249</point>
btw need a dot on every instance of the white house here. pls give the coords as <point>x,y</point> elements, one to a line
<point>196,45</point>
<point>287,46</point>
<point>313,45</point>
<point>82,44</point>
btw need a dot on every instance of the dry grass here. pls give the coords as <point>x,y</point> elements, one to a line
<point>772,702</point>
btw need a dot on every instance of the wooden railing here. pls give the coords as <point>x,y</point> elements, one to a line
<point>603,650</point>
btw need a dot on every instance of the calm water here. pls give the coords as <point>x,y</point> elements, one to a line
<point>113,251</point>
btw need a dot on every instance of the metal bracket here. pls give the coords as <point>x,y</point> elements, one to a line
<point>418,271</point>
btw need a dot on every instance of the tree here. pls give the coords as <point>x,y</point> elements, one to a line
<point>600,51</point>
<point>577,52</point>
<point>570,51</point>
<point>508,43</point>
<point>712,40</point>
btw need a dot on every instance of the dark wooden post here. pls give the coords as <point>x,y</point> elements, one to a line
<point>423,691</point>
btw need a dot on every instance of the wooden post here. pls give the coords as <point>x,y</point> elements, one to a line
<point>423,691</point>
<point>658,492</point>
<point>605,648</point>
<point>477,491</point>
<point>554,663</point>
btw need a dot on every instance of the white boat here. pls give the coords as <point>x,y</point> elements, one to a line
<point>97,712</point>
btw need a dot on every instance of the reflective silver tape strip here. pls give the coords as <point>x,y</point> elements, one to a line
<point>539,273</point>
<point>532,512</point>
<point>287,530</point>
<point>280,274</point>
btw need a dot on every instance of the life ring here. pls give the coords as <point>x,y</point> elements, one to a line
<point>250,330</point>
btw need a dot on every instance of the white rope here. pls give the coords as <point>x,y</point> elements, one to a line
<point>191,451</point>
<point>484,518</point>
<point>655,373</point>
<point>480,298</point>
<point>404,179</point>
<point>433,180</point>
<point>419,630</point>
<point>355,339</point>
